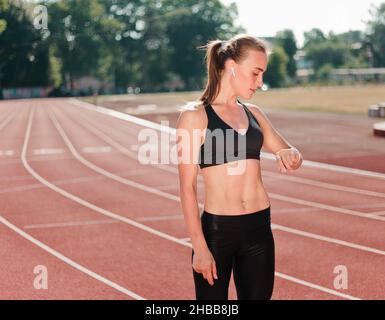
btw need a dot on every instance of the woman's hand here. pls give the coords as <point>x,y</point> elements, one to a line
<point>288,159</point>
<point>203,262</point>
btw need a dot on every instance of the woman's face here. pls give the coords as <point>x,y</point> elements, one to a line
<point>249,74</point>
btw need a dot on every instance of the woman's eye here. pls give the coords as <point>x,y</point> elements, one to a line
<point>256,74</point>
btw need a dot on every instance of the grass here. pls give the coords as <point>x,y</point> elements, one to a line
<point>353,99</point>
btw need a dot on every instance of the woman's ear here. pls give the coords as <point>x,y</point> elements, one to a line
<point>230,67</point>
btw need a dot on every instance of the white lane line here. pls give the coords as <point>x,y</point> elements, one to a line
<point>7,120</point>
<point>15,178</point>
<point>69,224</point>
<point>169,130</point>
<point>324,206</point>
<point>378,213</point>
<point>102,149</point>
<point>364,205</point>
<point>79,180</point>
<point>106,212</point>
<point>296,210</point>
<point>328,239</point>
<point>6,153</point>
<point>48,151</point>
<point>161,218</point>
<point>35,159</point>
<point>325,185</point>
<point>167,187</point>
<point>273,195</point>
<point>69,261</point>
<point>314,286</point>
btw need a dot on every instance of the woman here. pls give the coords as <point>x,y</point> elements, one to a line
<point>234,231</point>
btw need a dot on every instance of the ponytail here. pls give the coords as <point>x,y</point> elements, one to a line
<point>217,52</point>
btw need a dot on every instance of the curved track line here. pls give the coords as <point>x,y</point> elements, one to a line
<point>7,119</point>
<point>69,261</point>
<point>328,239</point>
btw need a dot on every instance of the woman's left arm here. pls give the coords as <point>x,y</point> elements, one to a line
<point>288,157</point>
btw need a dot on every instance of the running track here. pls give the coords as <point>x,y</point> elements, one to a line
<point>75,199</point>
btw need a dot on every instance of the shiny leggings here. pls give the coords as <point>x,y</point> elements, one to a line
<point>243,244</point>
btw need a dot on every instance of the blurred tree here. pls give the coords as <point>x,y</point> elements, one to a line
<point>376,36</point>
<point>312,37</point>
<point>276,72</point>
<point>287,41</point>
<point>23,57</point>
<point>192,24</point>
<point>331,50</point>
<point>77,32</point>
<point>323,73</point>
<point>3,22</point>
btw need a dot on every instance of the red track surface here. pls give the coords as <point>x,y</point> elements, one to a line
<point>108,227</point>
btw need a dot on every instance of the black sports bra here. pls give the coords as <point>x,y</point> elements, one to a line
<point>224,144</point>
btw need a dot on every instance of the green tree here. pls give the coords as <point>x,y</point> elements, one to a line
<point>330,52</point>
<point>276,73</point>
<point>376,36</point>
<point>196,23</point>
<point>78,31</point>
<point>287,41</point>
<point>3,7</point>
<point>23,56</point>
<point>312,37</point>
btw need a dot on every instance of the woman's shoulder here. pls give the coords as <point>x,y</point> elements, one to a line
<point>192,114</point>
<point>196,106</point>
<point>255,110</point>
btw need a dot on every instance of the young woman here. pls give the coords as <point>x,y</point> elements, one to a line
<point>234,231</point>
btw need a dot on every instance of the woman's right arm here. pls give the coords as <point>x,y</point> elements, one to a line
<point>188,144</point>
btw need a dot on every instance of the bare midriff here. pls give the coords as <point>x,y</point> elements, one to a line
<point>241,193</point>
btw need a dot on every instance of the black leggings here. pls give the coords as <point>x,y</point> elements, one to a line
<point>243,244</point>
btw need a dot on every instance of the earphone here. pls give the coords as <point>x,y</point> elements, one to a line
<point>232,71</point>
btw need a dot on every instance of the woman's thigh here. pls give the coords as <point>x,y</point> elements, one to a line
<point>218,291</point>
<point>254,266</point>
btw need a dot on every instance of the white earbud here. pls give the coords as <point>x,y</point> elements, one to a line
<point>232,71</point>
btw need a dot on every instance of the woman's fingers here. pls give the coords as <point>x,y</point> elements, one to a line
<point>211,273</point>
<point>281,165</point>
<point>287,162</point>
<point>208,275</point>
<point>214,268</point>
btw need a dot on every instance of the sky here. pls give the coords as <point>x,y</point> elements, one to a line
<point>265,18</point>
